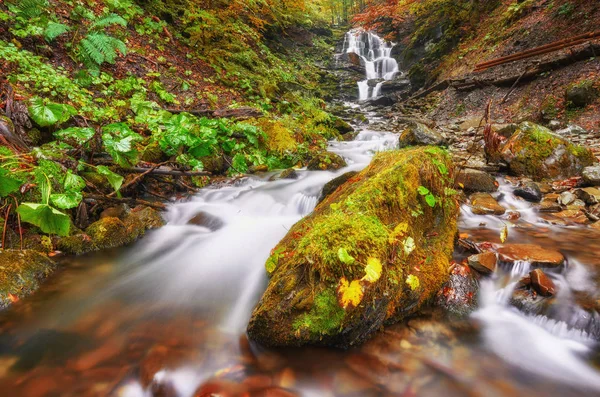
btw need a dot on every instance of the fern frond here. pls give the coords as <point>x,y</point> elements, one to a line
<point>107,20</point>
<point>100,48</point>
<point>89,51</point>
<point>28,9</point>
<point>53,30</point>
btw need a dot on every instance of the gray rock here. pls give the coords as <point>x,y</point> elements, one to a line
<point>418,134</point>
<point>566,198</point>
<point>554,125</point>
<point>591,175</point>
<point>530,191</point>
<point>581,95</point>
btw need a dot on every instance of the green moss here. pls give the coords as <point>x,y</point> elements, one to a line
<point>21,273</point>
<point>109,233</point>
<point>325,316</point>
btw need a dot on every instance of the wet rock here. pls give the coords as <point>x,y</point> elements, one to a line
<point>484,263</point>
<point>530,191</point>
<point>326,161</point>
<point>472,181</point>
<point>536,152</point>
<point>589,195</point>
<point>591,175</point>
<point>418,134</point>
<point>542,284</point>
<point>342,126</point>
<point>21,272</point>
<point>206,220</point>
<point>118,211</point>
<point>76,244</point>
<point>549,205</point>
<point>485,204</point>
<point>258,168</point>
<point>395,85</point>
<point>581,95</point>
<point>538,256</point>
<point>108,233</point>
<point>335,183</point>
<point>381,101</point>
<point>458,297</point>
<point>289,173</point>
<point>566,198</point>
<point>329,282</point>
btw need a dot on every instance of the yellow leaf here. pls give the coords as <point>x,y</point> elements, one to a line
<point>349,294</point>
<point>398,231</point>
<point>462,186</point>
<point>372,270</point>
<point>504,234</point>
<point>413,282</point>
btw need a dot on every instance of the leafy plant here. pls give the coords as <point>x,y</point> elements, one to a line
<point>429,197</point>
<point>46,113</point>
<point>98,47</point>
<point>119,141</point>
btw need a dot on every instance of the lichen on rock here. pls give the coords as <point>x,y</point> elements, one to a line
<point>373,252</point>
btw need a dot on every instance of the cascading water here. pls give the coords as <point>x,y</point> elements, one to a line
<point>375,54</point>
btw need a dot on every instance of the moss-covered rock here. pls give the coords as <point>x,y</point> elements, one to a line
<point>141,219</point>
<point>326,161</point>
<point>536,152</point>
<point>342,126</point>
<point>373,252</point>
<point>21,273</point>
<point>335,183</point>
<point>109,232</point>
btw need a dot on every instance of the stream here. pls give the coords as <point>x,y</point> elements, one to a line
<point>167,315</point>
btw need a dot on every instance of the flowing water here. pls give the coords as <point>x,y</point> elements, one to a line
<point>375,55</point>
<point>167,315</point>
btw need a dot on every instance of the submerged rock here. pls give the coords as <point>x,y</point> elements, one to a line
<point>326,161</point>
<point>473,181</point>
<point>362,259</point>
<point>485,204</point>
<point>21,273</point>
<point>335,183</point>
<point>418,134</point>
<point>536,152</point>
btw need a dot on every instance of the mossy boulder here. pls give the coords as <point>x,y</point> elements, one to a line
<point>373,252</point>
<point>418,134</point>
<point>342,126</point>
<point>21,273</point>
<point>326,161</point>
<point>536,152</point>
<point>335,183</point>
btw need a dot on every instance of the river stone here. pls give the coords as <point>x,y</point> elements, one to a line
<point>536,152</point>
<point>530,191</point>
<point>591,175</point>
<point>458,297</point>
<point>566,198</point>
<point>542,284</point>
<point>21,272</point>
<point>418,134</point>
<point>361,259</point>
<point>326,161</point>
<point>535,254</point>
<point>581,95</point>
<point>484,263</point>
<point>335,183</point>
<point>485,204</point>
<point>549,204</point>
<point>206,220</point>
<point>342,126</point>
<point>472,181</point>
<point>589,195</point>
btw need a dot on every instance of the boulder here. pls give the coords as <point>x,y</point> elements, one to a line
<point>538,256</point>
<point>536,152</point>
<point>326,161</point>
<point>335,183</point>
<point>530,191</point>
<point>485,204</point>
<point>541,283</point>
<point>591,175</point>
<point>473,181</point>
<point>362,259</point>
<point>206,220</point>
<point>381,101</point>
<point>21,272</point>
<point>458,297</point>
<point>581,95</point>
<point>288,173</point>
<point>589,195</point>
<point>342,126</point>
<point>484,263</point>
<point>418,134</point>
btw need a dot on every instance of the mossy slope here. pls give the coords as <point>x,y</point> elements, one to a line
<point>322,292</point>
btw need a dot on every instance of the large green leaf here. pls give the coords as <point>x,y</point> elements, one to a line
<point>66,200</point>
<point>119,141</point>
<point>49,219</point>
<point>114,179</point>
<point>46,114</point>
<point>78,134</point>
<point>8,184</point>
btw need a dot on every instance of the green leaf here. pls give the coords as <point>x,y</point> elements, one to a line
<point>345,257</point>
<point>49,219</point>
<point>422,190</point>
<point>66,200</point>
<point>239,163</point>
<point>73,182</point>
<point>430,199</point>
<point>8,184</point>
<point>51,113</point>
<point>53,30</point>
<point>78,134</point>
<point>114,179</point>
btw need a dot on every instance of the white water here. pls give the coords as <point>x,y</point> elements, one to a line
<point>375,53</point>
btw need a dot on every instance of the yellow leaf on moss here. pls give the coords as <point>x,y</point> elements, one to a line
<point>399,231</point>
<point>349,294</point>
<point>372,270</point>
<point>413,282</point>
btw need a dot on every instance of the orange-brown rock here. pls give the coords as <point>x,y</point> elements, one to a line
<point>535,254</point>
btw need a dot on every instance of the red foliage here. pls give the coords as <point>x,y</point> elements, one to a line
<point>381,16</point>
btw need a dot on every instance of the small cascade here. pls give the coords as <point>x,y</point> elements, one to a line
<point>375,54</point>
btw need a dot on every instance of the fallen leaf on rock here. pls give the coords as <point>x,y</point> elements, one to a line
<point>349,294</point>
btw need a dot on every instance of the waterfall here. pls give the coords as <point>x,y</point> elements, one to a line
<point>375,54</point>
